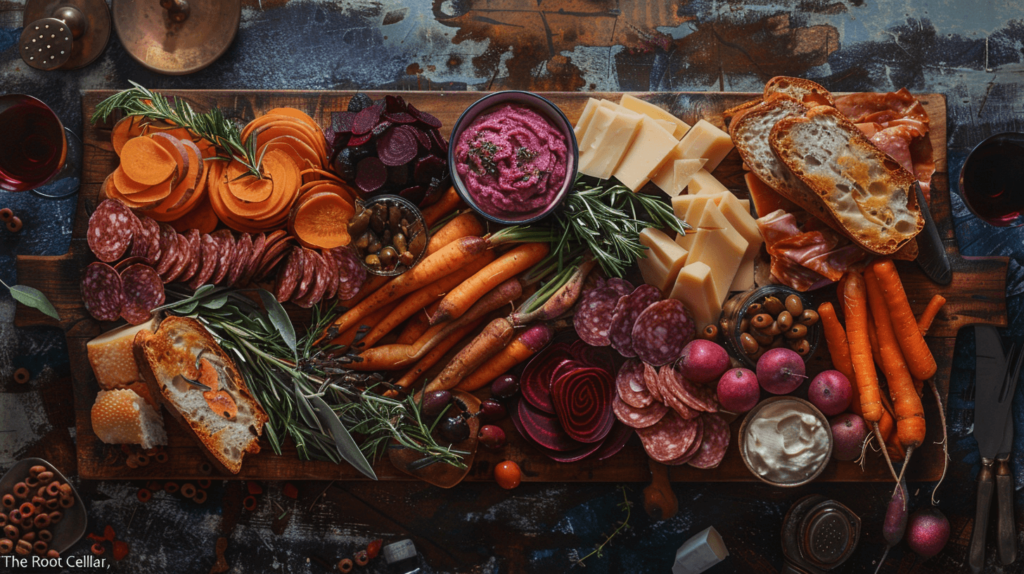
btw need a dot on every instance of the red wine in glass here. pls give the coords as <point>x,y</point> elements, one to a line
<point>992,180</point>
<point>33,148</point>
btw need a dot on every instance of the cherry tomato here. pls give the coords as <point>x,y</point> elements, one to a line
<point>507,474</point>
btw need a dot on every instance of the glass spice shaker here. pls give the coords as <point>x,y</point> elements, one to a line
<point>818,535</point>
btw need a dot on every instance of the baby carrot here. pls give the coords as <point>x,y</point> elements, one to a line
<point>856,311</point>
<point>924,322</point>
<point>521,348</point>
<point>835,338</point>
<point>915,351</point>
<point>448,203</point>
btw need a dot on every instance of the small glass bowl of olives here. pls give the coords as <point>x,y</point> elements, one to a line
<point>389,235</point>
<point>766,318</point>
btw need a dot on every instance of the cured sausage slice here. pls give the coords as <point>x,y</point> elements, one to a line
<point>239,259</point>
<point>111,228</point>
<point>693,448</point>
<point>143,292</point>
<point>652,383</point>
<point>669,438</point>
<point>210,252</point>
<point>182,262</point>
<point>714,444</point>
<point>351,273</point>
<point>629,307</point>
<point>259,244</point>
<point>592,316</point>
<point>309,272</point>
<point>168,250</point>
<point>319,281</point>
<point>696,397</point>
<point>102,291</point>
<point>629,384</point>
<point>638,418</point>
<point>288,278</point>
<point>225,251</point>
<point>661,332</point>
<point>195,255</point>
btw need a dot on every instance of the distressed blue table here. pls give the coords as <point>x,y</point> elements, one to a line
<point>971,52</point>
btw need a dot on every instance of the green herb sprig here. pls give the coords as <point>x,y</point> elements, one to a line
<point>32,297</point>
<point>598,551</point>
<point>211,126</point>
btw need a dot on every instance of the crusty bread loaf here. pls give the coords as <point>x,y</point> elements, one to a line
<point>804,91</point>
<point>122,416</point>
<point>172,351</point>
<point>868,193</point>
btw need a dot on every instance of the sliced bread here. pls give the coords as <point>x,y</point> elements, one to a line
<point>171,351</point>
<point>868,193</point>
<point>122,416</point>
<point>801,90</point>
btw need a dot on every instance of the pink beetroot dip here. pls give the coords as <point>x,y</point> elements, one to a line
<point>512,160</point>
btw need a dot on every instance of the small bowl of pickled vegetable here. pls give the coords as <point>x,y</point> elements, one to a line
<point>388,234</point>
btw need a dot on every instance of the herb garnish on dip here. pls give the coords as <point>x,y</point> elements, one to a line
<point>512,160</point>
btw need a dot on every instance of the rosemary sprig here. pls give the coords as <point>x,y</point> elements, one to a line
<point>625,505</point>
<point>211,126</point>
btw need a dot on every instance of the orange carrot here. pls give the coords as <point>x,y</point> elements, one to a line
<point>508,265</point>
<point>431,358</point>
<point>906,402</point>
<point>924,322</point>
<point>495,337</point>
<point>521,348</point>
<point>916,352</point>
<point>448,203</point>
<point>418,324</point>
<point>349,337</point>
<point>448,260</point>
<point>876,353</point>
<point>856,311</point>
<point>419,299</point>
<point>463,225</point>
<point>835,338</point>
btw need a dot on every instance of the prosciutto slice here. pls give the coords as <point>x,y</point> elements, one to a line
<point>806,256</point>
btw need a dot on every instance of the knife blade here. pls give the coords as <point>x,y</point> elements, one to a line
<point>931,256</point>
<point>1006,535</point>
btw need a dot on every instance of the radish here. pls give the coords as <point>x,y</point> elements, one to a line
<point>895,521</point>
<point>927,532</point>
<point>738,390</point>
<point>780,371</point>
<point>703,361</point>
<point>848,434</point>
<point>830,391</point>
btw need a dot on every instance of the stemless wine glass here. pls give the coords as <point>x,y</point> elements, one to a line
<point>37,153</point>
<point>992,180</point>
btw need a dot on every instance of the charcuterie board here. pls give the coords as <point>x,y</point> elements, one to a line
<point>977,295</point>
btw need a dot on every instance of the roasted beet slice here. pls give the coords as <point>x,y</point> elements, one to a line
<point>615,441</point>
<point>544,429</point>
<point>440,145</point>
<point>399,118</point>
<point>593,356</point>
<point>331,137</point>
<point>380,128</point>
<point>344,164</point>
<point>424,117</point>
<point>366,120</point>
<point>434,192</point>
<point>428,167</point>
<point>423,138</point>
<point>397,146</point>
<point>359,102</point>
<point>567,456</point>
<point>358,140</point>
<point>414,194</point>
<point>394,104</point>
<point>582,400</point>
<point>535,382</point>
<point>398,174</point>
<point>371,174</point>
<point>341,122</point>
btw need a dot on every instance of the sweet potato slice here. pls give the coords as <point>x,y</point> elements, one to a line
<point>146,162</point>
<point>289,126</point>
<point>188,184</point>
<point>310,157</point>
<point>321,186</point>
<point>321,221</point>
<point>247,187</point>
<point>109,190</point>
<point>124,130</point>
<point>297,114</point>
<point>176,148</point>
<point>125,184</point>
<point>201,217</point>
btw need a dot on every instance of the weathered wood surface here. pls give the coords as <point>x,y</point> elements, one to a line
<point>976,295</point>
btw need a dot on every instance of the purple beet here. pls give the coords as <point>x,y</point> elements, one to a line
<point>927,532</point>
<point>895,521</point>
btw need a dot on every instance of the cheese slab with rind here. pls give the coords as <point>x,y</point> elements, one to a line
<point>112,357</point>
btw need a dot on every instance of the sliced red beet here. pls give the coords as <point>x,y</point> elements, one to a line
<point>394,104</point>
<point>341,122</point>
<point>593,356</point>
<point>371,174</point>
<point>424,117</point>
<point>616,440</point>
<point>366,120</point>
<point>428,167</point>
<point>582,400</point>
<point>399,118</point>
<point>566,366</point>
<point>414,194</point>
<point>397,146</point>
<point>379,129</point>
<point>357,140</point>
<point>535,382</point>
<point>423,138</point>
<point>544,429</point>
<point>434,192</point>
<point>567,456</point>
<point>440,145</point>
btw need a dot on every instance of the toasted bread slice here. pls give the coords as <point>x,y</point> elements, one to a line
<point>172,351</point>
<point>805,91</point>
<point>868,193</point>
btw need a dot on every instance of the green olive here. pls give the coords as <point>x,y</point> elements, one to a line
<point>399,242</point>
<point>754,309</point>
<point>710,333</point>
<point>388,255</point>
<point>773,306</point>
<point>363,240</point>
<point>418,244</point>
<point>785,320</point>
<point>377,217</point>
<point>395,218</point>
<point>373,261</point>
<point>761,321</point>
<point>761,338</point>
<point>802,347</point>
<point>406,258</point>
<point>750,345</point>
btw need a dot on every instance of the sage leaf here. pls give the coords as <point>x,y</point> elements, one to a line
<point>186,309</point>
<point>215,303</point>
<point>280,319</point>
<point>306,409</point>
<point>346,445</point>
<point>34,298</point>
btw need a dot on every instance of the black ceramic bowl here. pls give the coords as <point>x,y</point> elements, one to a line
<point>541,106</point>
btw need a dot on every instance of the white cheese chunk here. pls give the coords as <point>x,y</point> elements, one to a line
<point>707,141</point>
<point>662,261</point>
<point>651,146</point>
<point>655,112</point>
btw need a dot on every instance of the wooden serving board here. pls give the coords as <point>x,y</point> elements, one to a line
<point>977,295</point>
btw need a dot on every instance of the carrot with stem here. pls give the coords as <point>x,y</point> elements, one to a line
<point>437,353</point>
<point>463,225</point>
<point>924,323</point>
<point>521,348</point>
<point>918,356</point>
<point>495,337</point>
<point>508,265</point>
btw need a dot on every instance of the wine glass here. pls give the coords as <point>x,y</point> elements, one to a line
<point>992,180</point>
<point>37,153</point>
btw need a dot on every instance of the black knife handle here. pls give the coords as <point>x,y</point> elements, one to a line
<point>1005,534</point>
<point>986,484</point>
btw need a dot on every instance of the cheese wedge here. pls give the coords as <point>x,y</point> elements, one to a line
<point>665,174</point>
<point>655,112</point>
<point>608,142</point>
<point>719,246</point>
<point>703,182</point>
<point>694,287</point>
<point>666,125</point>
<point>651,146</point>
<point>663,259</point>
<point>683,171</point>
<point>707,141</point>
<point>112,357</point>
<point>740,219</point>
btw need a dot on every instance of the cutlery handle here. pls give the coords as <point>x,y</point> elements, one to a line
<point>1006,535</point>
<point>986,484</point>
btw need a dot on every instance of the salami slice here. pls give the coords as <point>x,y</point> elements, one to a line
<point>243,251</point>
<point>629,307</point>
<point>259,243</point>
<point>102,291</point>
<point>308,275</point>
<point>693,447</point>
<point>651,381</point>
<point>629,385</point>
<point>694,396</point>
<point>143,292</point>
<point>140,246</point>
<point>288,278</point>
<point>225,252</point>
<point>331,267</point>
<point>714,444</point>
<point>660,332</point>
<point>151,235</point>
<point>638,418</point>
<point>351,273</point>
<point>620,286</point>
<point>111,228</point>
<point>210,252</point>
<point>272,255</point>
<point>320,276</point>
<point>195,255</point>
<point>168,249</point>
<point>120,265</point>
<point>592,314</point>
<point>669,438</point>
<point>183,261</point>
<point>672,400</point>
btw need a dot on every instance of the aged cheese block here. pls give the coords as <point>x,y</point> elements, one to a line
<point>740,220</point>
<point>651,146</point>
<point>607,142</point>
<point>585,118</point>
<point>112,358</point>
<point>703,182</point>
<point>707,141</point>
<point>664,258</point>
<point>719,246</point>
<point>655,112</point>
<point>695,288</point>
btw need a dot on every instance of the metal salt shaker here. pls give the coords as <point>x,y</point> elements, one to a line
<point>818,535</point>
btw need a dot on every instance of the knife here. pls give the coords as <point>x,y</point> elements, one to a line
<point>992,409</point>
<point>931,256</point>
<point>1006,535</point>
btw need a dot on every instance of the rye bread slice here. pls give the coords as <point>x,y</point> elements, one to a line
<point>868,193</point>
<point>172,351</point>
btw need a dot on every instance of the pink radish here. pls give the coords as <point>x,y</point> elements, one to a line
<point>848,434</point>
<point>703,361</point>
<point>738,390</point>
<point>831,392</point>
<point>895,521</point>
<point>780,371</point>
<point>927,532</point>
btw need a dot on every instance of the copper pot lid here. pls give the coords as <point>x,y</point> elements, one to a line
<point>85,27</point>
